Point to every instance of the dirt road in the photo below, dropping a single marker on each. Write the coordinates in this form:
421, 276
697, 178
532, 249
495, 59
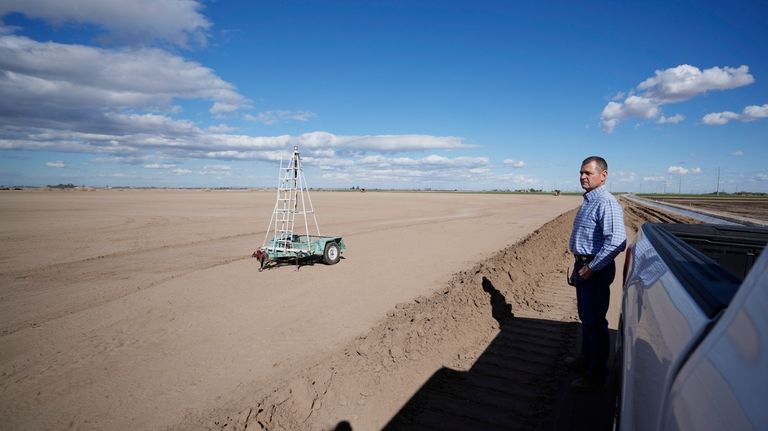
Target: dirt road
140, 309
753, 210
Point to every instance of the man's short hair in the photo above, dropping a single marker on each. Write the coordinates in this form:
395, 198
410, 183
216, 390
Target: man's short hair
599, 161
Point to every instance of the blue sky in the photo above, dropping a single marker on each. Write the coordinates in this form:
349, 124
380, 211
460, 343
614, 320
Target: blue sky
401, 94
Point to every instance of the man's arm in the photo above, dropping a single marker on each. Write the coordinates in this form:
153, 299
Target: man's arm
614, 235
614, 238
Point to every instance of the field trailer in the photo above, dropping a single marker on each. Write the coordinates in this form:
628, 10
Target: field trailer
282, 243
325, 248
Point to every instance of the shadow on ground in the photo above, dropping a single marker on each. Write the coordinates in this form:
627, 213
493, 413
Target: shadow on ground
518, 383
297, 264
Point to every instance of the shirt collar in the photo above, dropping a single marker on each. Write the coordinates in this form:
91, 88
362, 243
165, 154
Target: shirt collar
588, 196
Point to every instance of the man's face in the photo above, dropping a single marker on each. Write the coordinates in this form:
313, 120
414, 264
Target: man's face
591, 176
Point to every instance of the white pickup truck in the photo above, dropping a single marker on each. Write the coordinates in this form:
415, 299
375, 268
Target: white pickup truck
693, 335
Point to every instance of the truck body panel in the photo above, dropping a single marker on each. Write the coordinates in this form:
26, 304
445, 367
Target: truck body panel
724, 383
676, 348
660, 323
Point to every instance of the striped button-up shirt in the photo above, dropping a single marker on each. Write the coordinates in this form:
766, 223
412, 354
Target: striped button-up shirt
598, 229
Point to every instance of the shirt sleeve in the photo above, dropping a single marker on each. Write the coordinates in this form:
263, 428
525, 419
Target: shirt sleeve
614, 234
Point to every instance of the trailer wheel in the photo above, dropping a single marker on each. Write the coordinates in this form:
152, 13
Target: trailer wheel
332, 253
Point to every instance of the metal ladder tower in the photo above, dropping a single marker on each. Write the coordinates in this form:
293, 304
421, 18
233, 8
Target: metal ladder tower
292, 199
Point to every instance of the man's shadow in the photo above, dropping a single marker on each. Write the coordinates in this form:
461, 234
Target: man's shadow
296, 263
516, 383
500, 309
509, 386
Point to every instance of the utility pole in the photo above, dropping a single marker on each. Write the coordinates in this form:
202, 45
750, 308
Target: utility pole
717, 193
680, 185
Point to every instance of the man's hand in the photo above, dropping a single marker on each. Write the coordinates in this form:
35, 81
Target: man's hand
585, 273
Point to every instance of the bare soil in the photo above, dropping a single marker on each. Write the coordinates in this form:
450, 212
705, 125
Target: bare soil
484, 352
141, 310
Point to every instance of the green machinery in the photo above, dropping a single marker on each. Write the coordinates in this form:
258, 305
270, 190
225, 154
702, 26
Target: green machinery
282, 243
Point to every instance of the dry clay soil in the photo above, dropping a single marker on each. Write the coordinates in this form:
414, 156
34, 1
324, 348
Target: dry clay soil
143, 310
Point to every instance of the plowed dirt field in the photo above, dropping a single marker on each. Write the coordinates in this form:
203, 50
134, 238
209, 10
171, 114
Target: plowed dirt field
142, 310
750, 208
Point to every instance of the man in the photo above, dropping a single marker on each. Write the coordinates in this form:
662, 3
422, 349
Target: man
598, 237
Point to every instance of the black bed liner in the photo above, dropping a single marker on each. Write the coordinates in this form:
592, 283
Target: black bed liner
710, 261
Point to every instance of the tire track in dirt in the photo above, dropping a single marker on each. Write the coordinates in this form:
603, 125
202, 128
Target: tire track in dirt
61, 266
636, 214
93, 281
753, 208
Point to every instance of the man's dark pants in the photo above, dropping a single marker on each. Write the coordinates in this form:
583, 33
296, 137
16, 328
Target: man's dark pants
593, 297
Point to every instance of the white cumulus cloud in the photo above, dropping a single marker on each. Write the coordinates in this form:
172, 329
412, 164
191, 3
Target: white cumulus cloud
755, 112
216, 170
624, 177
80, 85
677, 118
432, 163
432, 170
672, 85
379, 143
514, 163
56, 164
272, 117
221, 128
178, 22
685, 81
159, 166
680, 170
750, 113
719, 118
138, 138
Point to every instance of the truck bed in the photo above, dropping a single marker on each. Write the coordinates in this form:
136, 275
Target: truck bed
733, 248
693, 324
710, 261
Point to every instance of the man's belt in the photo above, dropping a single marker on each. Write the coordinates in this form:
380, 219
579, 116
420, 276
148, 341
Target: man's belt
583, 258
